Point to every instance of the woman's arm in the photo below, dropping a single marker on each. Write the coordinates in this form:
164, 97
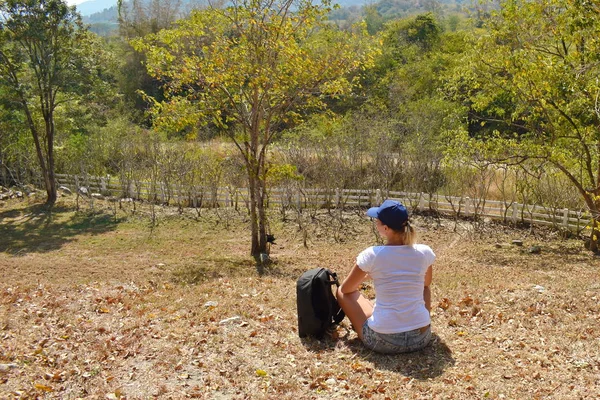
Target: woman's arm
353, 280
426, 289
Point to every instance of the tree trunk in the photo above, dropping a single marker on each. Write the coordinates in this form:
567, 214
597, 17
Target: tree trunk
47, 170
45, 156
50, 178
262, 216
258, 217
51, 189
595, 235
256, 177
255, 248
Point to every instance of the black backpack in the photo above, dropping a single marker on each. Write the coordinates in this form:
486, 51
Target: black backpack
318, 309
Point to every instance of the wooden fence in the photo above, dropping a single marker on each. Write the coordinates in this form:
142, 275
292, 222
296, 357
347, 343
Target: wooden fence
303, 198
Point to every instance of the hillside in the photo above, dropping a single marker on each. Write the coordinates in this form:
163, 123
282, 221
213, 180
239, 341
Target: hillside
102, 15
88, 8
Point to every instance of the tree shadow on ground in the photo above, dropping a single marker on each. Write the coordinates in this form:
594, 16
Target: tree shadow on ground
425, 364
273, 268
203, 270
35, 229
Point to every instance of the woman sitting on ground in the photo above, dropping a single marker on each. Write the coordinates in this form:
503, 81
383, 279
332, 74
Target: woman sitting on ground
399, 320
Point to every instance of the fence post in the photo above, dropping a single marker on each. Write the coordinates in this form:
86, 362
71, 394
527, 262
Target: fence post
467, 206
515, 212
422, 202
103, 186
378, 199
338, 198
566, 218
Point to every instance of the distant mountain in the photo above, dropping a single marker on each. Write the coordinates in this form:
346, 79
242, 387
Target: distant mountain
108, 15
90, 7
102, 15
348, 3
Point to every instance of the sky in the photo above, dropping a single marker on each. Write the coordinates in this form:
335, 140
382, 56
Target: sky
71, 2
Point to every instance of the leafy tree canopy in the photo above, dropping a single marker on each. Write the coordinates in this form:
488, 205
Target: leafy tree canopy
251, 69
536, 69
47, 60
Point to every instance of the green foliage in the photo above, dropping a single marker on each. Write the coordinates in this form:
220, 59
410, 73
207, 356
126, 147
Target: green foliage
281, 173
373, 19
263, 61
250, 69
47, 60
17, 155
536, 71
422, 31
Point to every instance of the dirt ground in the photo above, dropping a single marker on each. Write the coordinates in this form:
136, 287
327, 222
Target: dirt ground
102, 304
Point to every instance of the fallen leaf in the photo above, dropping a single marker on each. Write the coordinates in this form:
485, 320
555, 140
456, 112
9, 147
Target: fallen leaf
467, 301
267, 318
444, 304
44, 388
260, 372
356, 366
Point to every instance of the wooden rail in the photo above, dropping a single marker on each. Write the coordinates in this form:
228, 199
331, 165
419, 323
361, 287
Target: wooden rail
307, 198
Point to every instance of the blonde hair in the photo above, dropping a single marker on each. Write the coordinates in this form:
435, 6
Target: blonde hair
408, 234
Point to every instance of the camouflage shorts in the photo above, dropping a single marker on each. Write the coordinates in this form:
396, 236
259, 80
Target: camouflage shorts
393, 343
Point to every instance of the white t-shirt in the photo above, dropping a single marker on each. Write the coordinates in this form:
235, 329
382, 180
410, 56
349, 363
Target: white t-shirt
398, 274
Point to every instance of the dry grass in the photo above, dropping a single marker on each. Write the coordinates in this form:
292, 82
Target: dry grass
97, 305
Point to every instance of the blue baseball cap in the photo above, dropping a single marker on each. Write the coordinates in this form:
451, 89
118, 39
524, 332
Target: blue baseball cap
391, 213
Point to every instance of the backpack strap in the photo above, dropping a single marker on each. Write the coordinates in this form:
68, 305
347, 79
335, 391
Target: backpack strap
339, 316
333, 281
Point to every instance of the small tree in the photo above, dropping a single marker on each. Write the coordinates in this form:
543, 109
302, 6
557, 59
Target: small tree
250, 69
45, 57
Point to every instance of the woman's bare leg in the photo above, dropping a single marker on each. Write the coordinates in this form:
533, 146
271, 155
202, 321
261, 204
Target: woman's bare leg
356, 307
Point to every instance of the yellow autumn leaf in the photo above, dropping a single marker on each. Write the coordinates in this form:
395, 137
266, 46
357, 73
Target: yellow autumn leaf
44, 388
